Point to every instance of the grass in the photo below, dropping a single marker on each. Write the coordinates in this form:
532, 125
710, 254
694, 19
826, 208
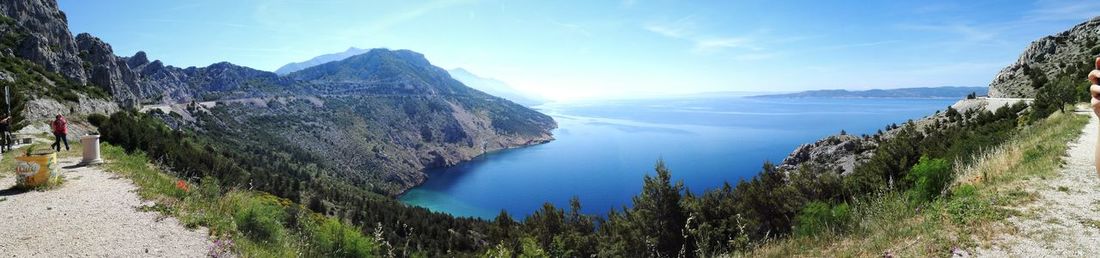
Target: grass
242, 222
7, 164
981, 197
1091, 223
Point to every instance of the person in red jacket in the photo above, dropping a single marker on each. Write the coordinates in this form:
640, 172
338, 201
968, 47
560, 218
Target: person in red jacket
60, 132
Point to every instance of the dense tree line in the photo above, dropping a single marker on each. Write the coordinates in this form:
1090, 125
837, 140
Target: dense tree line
1067, 86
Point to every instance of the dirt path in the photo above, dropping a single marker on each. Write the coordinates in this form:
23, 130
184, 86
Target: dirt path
92, 214
1065, 219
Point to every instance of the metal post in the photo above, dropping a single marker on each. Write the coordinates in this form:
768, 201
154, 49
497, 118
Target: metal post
11, 118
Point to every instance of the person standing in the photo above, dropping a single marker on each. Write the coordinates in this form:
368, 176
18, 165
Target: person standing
60, 132
5, 133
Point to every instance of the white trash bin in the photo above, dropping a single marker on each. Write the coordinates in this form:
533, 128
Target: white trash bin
91, 150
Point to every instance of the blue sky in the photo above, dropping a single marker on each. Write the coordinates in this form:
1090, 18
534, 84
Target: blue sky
595, 49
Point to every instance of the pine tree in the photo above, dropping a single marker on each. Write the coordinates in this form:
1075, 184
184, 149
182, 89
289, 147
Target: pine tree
660, 214
544, 224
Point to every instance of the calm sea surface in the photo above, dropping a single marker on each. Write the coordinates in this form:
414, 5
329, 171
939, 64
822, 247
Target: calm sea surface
603, 149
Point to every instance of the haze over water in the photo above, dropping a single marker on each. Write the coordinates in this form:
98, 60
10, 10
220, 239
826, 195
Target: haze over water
603, 149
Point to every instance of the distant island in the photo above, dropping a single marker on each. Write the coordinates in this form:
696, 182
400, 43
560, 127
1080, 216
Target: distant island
920, 92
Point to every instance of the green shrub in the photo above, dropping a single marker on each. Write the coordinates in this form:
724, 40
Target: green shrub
929, 177
209, 189
97, 119
964, 191
260, 221
70, 96
30, 149
333, 239
531, 248
965, 206
819, 217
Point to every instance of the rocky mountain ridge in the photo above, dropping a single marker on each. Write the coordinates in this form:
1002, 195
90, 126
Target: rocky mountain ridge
488, 85
298, 66
1068, 54
377, 119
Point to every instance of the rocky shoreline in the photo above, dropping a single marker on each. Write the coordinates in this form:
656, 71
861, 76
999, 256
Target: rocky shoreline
842, 153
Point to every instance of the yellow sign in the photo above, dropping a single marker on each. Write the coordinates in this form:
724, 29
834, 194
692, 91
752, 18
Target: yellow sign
36, 170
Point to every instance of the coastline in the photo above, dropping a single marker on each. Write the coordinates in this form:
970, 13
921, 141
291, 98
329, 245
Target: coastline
543, 139
842, 153
459, 188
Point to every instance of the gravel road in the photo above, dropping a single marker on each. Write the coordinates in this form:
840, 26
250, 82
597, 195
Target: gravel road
93, 214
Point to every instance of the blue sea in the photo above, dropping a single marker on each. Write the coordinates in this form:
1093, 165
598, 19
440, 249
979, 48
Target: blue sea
603, 149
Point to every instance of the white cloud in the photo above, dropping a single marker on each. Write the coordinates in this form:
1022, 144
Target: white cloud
858, 45
756, 56
713, 44
965, 32
395, 18
668, 31
576, 28
686, 29
207, 24
1060, 10
682, 28
956, 68
970, 35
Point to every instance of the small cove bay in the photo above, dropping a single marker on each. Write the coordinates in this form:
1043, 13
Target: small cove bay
602, 150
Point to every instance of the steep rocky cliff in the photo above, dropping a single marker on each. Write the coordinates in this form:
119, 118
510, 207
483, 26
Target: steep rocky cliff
105, 69
43, 36
1066, 54
36, 31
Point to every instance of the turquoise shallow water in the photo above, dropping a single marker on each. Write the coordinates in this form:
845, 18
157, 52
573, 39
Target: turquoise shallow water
603, 149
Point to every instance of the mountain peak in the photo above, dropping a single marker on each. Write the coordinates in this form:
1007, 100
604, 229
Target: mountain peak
138, 59
495, 87
298, 66
459, 70
375, 64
